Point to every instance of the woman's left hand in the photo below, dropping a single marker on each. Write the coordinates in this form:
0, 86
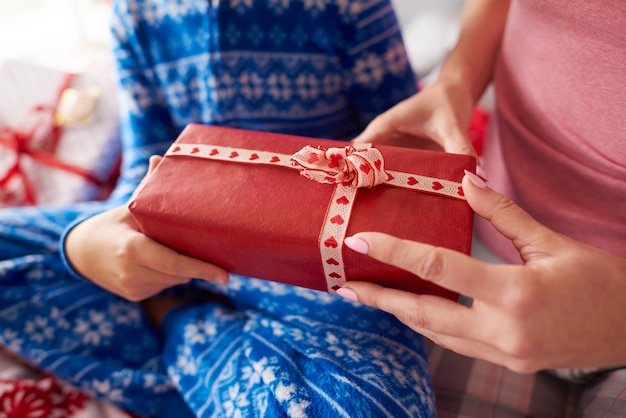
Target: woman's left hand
564, 307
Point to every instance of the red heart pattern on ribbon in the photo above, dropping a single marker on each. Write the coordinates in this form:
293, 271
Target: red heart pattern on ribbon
348, 169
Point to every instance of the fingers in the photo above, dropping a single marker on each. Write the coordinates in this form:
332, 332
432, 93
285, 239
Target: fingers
380, 132
420, 312
152, 165
140, 283
162, 259
508, 218
467, 331
446, 268
397, 126
375, 132
448, 324
153, 162
469, 348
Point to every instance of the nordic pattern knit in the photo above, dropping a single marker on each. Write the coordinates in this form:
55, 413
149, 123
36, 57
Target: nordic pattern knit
320, 68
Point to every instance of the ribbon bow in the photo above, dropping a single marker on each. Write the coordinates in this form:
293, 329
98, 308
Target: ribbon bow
40, 126
347, 166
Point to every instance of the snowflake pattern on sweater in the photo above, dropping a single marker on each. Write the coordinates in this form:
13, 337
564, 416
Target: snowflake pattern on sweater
320, 68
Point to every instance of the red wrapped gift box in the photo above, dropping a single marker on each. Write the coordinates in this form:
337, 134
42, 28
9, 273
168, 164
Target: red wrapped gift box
236, 198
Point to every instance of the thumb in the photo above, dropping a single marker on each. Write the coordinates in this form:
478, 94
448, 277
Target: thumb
372, 133
152, 165
458, 142
506, 217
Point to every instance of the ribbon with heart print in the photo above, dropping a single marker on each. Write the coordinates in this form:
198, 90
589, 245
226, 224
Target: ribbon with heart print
348, 168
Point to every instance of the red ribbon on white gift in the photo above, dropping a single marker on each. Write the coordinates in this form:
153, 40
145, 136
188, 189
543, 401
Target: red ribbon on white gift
348, 168
40, 125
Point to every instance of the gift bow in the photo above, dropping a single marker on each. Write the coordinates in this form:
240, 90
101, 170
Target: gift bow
40, 124
347, 166
19, 144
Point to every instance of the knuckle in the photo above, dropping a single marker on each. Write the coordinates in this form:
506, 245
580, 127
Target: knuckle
412, 316
431, 265
417, 318
503, 203
128, 248
516, 302
520, 300
375, 299
502, 208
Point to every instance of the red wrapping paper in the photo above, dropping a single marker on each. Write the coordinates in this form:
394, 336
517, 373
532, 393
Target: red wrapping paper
264, 221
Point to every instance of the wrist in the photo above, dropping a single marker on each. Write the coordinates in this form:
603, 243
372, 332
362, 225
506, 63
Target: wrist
470, 64
464, 77
63, 247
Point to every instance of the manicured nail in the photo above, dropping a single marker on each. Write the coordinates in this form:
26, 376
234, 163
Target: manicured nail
357, 245
346, 293
476, 181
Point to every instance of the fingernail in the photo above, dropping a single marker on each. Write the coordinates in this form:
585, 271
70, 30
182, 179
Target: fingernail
346, 293
476, 181
357, 245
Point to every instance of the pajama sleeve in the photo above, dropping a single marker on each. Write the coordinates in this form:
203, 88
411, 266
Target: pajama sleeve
146, 127
332, 72
378, 74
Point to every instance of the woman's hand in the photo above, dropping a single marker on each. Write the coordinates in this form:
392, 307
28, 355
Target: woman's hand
110, 250
564, 307
435, 118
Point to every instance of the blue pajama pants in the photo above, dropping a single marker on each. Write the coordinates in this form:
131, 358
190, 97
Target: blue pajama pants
270, 350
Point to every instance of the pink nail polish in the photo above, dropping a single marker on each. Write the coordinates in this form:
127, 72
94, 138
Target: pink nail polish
475, 180
357, 245
346, 293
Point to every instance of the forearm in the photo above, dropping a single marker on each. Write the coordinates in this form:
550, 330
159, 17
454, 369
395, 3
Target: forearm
470, 64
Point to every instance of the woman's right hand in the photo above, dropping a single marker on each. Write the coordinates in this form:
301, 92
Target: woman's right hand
562, 308
435, 118
110, 250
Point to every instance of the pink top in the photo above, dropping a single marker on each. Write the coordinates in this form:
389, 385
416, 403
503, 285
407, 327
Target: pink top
557, 145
